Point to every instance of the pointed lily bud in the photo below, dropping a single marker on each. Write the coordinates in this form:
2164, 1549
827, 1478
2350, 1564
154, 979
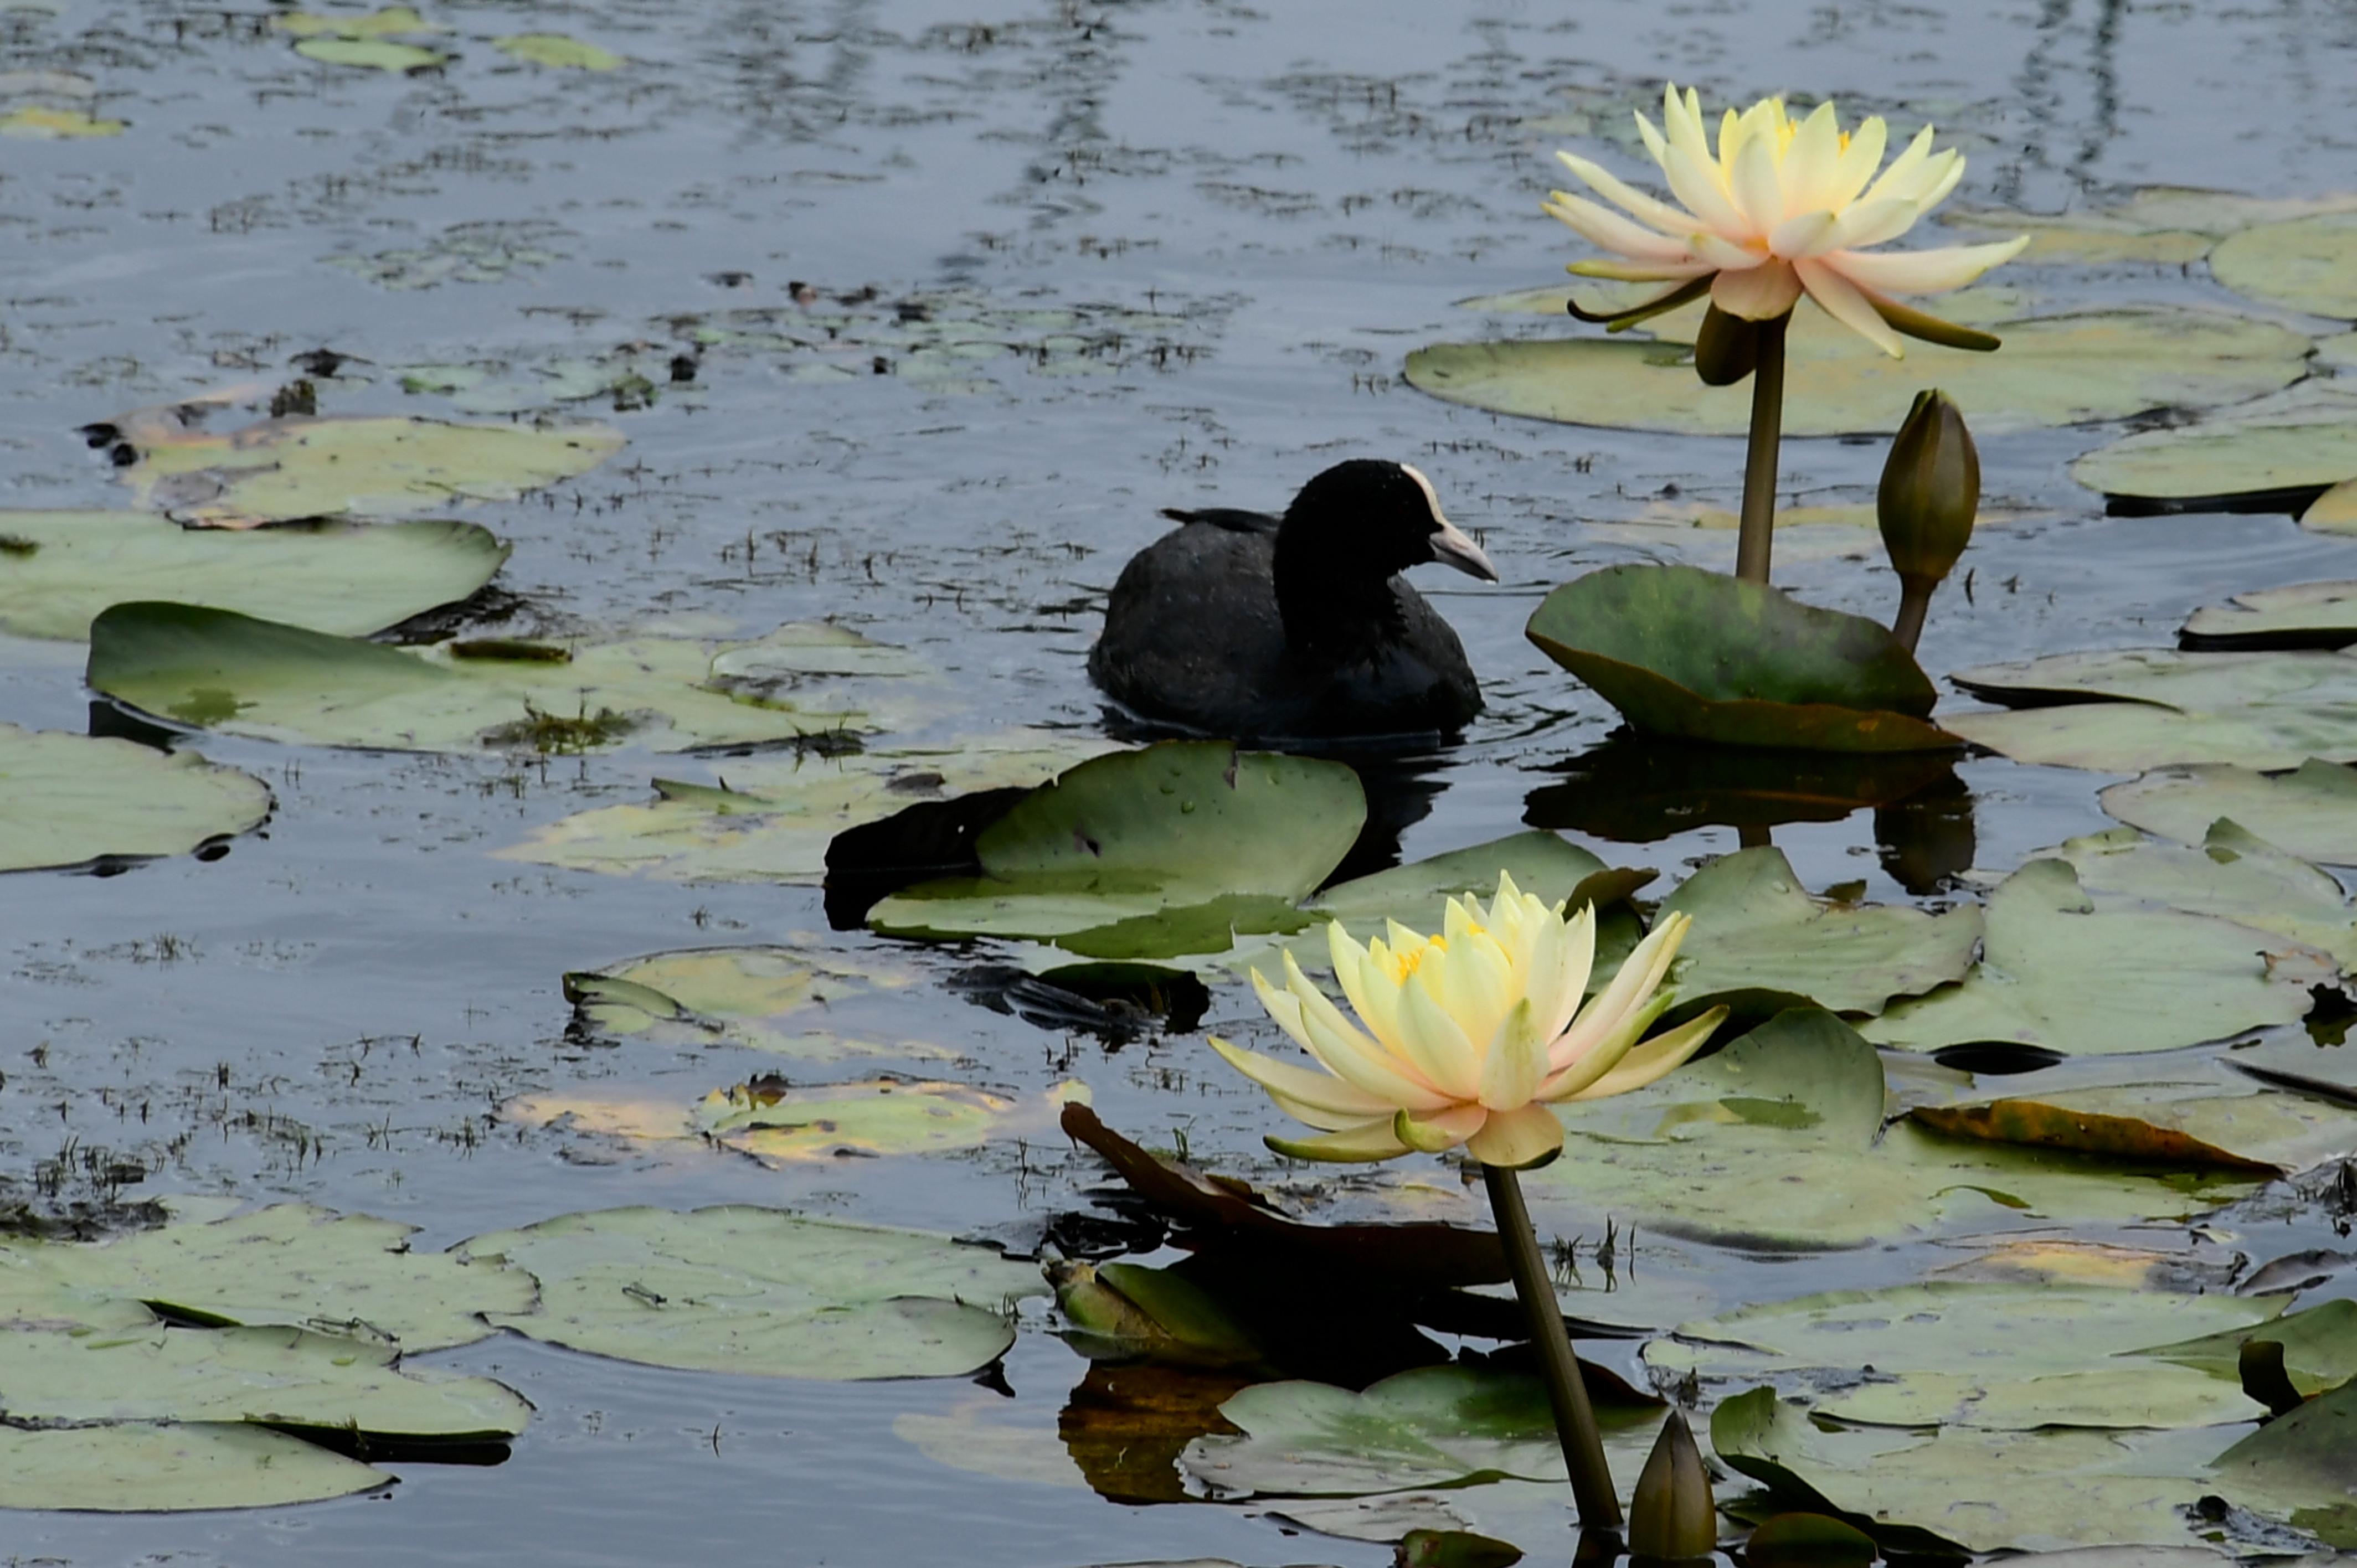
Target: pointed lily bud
1727, 350
1931, 492
1672, 1519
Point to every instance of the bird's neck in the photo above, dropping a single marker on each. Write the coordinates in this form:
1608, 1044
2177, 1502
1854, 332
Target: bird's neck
1336, 607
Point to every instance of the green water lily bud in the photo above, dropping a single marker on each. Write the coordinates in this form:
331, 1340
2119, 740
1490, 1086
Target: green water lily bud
1931, 490
1727, 350
1672, 1517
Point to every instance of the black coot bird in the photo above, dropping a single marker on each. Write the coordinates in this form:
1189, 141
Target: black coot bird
1256, 628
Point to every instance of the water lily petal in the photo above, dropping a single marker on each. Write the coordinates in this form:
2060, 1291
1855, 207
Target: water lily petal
1649, 211
1475, 985
1578, 963
1640, 975
1871, 223
1316, 1090
1723, 254
1603, 1053
1810, 163
1655, 142
1843, 302
1905, 169
1367, 982
1438, 1043
1339, 1049
1518, 1139
1439, 1130
1603, 226
1803, 236
1758, 190
1656, 1058
1925, 272
1370, 1141
1758, 294
1859, 161
1515, 1061
1696, 184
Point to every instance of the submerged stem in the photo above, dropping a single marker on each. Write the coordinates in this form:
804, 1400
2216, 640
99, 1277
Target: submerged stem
1752, 545
1574, 1422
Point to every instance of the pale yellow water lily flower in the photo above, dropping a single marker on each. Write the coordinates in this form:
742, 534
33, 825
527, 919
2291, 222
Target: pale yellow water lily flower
1467, 1037
1784, 207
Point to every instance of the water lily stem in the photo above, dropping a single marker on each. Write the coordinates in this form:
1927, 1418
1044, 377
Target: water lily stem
1914, 599
1753, 544
1575, 1420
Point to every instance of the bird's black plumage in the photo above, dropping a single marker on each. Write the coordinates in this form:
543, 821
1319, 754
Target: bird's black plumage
1260, 628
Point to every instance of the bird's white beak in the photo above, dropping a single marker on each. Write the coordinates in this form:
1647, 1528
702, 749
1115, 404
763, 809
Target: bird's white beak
1451, 547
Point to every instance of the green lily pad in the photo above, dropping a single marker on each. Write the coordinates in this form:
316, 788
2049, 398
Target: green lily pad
387, 22
287, 1378
1147, 853
2300, 1467
762, 998
2002, 1357
150, 1467
771, 821
374, 54
1734, 1149
777, 1123
2058, 971
2056, 370
2303, 264
2310, 812
286, 469
1965, 1488
2165, 225
556, 49
37, 123
2133, 709
328, 576
2306, 615
1682, 651
2235, 875
289, 1264
1434, 1426
76, 799
1760, 942
219, 670
2285, 448
2320, 1347
760, 1291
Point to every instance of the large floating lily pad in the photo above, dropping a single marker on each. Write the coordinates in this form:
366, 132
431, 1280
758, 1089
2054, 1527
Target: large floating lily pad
767, 998
277, 1377
285, 469
2133, 709
755, 1290
2169, 225
2004, 1357
74, 799
2058, 971
1735, 1149
1682, 651
219, 670
147, 1468
2235, 875
2304, 263
1759, 941
770, 822
2286, 449
59, 569
2056, 370
1982, 1491
1434, 1426
2298, 1467
2310, 812
292, 1264
2306, 615
1149, 853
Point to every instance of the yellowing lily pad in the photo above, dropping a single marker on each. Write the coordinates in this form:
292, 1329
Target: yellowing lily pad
823, 1122
34, 122
2057, 370
1760, 941
219, 670
73, 798
757, 1292
2310, 812
764, 998
157, 1467
2303, 264
556, 49
59, 569
2060, 972
284, 469
2133, 709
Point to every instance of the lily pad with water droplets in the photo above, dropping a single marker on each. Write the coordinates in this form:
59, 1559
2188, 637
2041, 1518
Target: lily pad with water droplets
2062, 972
1760, 942
74, 800
2132, 709
59, 569
285, 469
217, 670
2055, 370
157, 1467
758, 1292
2310, 812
